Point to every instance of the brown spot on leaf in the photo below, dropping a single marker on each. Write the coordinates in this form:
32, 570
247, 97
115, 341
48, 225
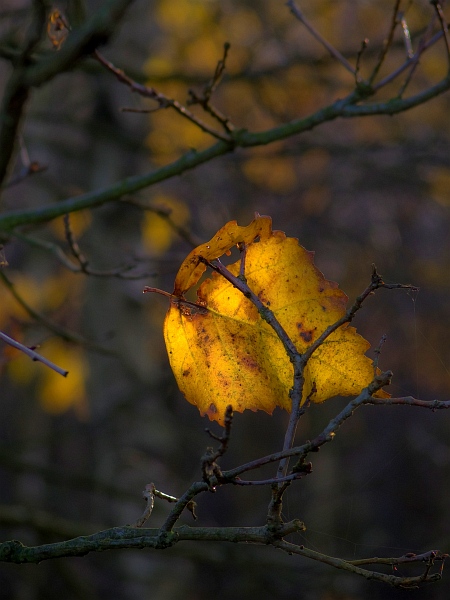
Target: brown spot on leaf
212, 409
306, 335
250, 363
186, 373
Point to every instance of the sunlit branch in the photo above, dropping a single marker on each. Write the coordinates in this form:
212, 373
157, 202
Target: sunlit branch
32, 354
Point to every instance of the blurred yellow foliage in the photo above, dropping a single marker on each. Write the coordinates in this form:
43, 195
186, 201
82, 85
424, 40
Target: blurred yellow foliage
58, 394
55, 393
79, 222
157, 234
184, 18
202, 54
243, 26
172, 135
276, 173
439, 182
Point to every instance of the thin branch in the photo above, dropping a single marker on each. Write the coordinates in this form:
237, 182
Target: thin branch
210, 469
62, 332
377, 352
204, 99
162, 100
276, 480
375, 284
364, 46
387, 43
444, 26
412, 63
327, 435
32, 354
432, 405
313, 31
393, 580
410, 557
121, 272
29, 169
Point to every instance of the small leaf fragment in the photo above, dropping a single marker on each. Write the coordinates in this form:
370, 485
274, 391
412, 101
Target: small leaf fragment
226, 238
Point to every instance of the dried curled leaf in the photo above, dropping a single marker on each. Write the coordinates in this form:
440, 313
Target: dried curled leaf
226, 238
222, 352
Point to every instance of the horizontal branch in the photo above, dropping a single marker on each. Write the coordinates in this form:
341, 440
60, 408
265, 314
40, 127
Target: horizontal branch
432, 405
132, 537
339, 563
347, 107
126, 537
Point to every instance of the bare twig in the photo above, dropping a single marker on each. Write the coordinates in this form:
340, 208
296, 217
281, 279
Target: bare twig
440, 14
32, 354
393, 580
204, 99
364, 46
313, 31
387, 43
149, 497
432, 405
60, 331
327, 435
162, 100
121, 272
276, 480
73, 244
30, 169
210, 469
377, 353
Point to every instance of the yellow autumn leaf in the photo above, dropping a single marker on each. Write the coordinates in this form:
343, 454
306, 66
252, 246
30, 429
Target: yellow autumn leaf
222, 352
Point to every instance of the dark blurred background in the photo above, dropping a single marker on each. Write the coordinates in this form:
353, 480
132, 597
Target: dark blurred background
76, 454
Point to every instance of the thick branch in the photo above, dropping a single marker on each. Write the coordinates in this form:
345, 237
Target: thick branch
130, 537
